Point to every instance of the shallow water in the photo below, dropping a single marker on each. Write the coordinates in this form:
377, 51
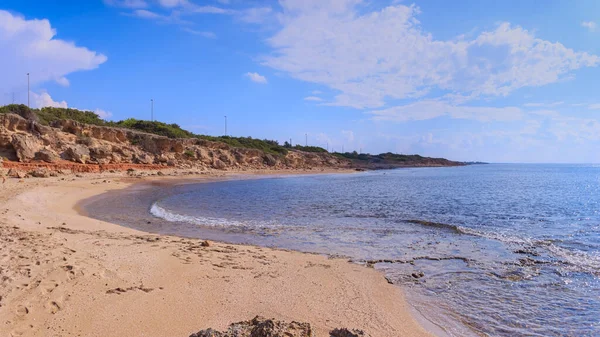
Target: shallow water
505, 250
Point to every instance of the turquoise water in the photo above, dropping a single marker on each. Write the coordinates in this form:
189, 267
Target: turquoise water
504, 250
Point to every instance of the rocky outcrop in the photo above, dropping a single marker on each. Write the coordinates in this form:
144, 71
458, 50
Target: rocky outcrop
78, 153
47, 155
67, 140
347, 333
261, 327
25, 146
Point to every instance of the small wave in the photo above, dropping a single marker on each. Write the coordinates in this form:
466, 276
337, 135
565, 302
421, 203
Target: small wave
162, 213
578, 261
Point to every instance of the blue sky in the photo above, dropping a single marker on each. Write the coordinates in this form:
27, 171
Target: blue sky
498, 81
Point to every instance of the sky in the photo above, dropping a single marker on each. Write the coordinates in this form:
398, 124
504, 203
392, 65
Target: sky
495, 81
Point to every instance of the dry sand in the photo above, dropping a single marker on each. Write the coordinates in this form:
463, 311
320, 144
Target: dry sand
63, 274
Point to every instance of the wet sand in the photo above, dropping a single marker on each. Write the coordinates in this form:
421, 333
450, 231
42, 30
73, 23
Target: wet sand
64, 274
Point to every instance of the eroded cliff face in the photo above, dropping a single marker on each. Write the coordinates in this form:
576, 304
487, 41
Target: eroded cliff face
68, 141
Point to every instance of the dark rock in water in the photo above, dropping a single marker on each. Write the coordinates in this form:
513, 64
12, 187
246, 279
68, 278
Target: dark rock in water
261, 327
418, 274
347, 333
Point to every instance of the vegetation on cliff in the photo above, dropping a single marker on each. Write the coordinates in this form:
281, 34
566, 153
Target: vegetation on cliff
48, 116
390, 160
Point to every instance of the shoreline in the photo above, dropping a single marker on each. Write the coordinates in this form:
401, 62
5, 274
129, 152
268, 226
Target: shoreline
129, 276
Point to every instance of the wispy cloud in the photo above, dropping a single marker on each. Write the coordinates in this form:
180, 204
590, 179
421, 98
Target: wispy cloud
127, 3
146, 14
590, 25
595, 106
256, 77
384, 55
206, 34
313, 98
430, 109
549, 105
256, 15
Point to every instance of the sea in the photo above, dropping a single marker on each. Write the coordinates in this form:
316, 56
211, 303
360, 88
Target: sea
480, 250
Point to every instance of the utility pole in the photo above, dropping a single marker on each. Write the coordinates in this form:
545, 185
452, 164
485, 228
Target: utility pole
152, 109
290, 142
225, 125
28, 91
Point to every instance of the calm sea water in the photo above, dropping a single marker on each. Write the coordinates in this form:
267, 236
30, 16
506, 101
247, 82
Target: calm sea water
504, 250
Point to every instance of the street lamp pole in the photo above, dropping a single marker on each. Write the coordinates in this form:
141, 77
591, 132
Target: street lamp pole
28, 91
152, 109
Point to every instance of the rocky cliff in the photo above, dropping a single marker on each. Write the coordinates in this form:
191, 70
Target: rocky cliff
66, 142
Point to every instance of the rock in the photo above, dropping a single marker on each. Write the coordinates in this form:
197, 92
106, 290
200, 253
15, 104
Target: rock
40, 173
159, 173
418, 274
102, 154
260, 327
219, 165
270, 160
78, 153
205, 243
16, 174
25, 146
347, 333
143, 158
47, 155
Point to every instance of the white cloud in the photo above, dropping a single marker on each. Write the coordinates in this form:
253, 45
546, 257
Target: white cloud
29, 46
313, 98
146, 14
590, 25
429, 109
255, 77
349, 135
44, 99
103, 114
172, 3
208, 10
206, 34
595, 106
316, 92
127, 3
370, 58
256, 15
552, 104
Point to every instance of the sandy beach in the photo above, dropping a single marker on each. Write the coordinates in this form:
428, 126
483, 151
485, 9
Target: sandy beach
63, 274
